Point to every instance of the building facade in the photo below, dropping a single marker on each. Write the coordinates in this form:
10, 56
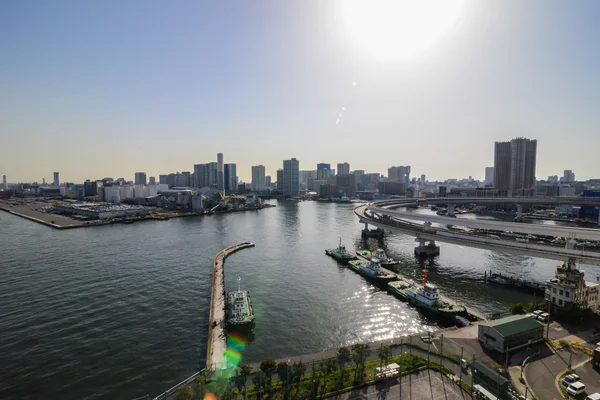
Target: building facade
343, 168
231, 180
400, 174
56, 179
510, 333
514, 165
279, 179
568, 176
569, 286
489, 176
258, 178
291, 182
220, 172
140, 178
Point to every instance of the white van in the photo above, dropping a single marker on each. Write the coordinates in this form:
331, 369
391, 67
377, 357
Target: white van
593, 396
576, 388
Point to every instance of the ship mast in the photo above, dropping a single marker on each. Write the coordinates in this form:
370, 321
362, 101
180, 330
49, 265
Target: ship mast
239, 283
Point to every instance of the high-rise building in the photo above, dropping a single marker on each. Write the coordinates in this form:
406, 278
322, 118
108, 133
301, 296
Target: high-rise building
343, 168
162, 179
4, 185
268, 181
152, 180
183, 179
568, 176
220, 172
140, 178
489, 175
323, 170
56, 180
514, 164
231, 180
400, 174
279, 179
258, 178
205, 175
422, 178
291, 183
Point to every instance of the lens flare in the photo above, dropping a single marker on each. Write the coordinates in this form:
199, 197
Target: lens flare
210, 396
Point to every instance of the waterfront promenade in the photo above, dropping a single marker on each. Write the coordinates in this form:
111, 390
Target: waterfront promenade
217, 321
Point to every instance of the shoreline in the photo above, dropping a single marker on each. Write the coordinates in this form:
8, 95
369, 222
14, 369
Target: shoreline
72, 224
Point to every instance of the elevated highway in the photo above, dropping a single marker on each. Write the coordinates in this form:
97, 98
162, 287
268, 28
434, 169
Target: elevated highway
541, 201
383, 215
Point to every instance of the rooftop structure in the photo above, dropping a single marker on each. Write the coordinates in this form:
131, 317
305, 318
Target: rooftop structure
101, 210
569, 286
510, 333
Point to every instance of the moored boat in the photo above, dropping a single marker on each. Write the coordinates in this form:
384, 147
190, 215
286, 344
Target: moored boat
239, 307
372, 270
340, 253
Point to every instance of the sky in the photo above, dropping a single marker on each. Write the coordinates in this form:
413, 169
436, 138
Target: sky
97, 89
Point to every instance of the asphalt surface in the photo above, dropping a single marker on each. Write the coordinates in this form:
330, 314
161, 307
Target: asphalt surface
427, 385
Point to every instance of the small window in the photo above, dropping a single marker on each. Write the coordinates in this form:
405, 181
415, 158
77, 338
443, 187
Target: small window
560, 292
560, 302
553, 290
567, 294
554, 300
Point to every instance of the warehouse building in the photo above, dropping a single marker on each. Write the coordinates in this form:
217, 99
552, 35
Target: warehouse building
510, 333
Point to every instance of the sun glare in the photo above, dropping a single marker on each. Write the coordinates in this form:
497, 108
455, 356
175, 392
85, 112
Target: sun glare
399, 29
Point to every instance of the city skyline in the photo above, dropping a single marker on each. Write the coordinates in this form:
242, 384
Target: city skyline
159, 88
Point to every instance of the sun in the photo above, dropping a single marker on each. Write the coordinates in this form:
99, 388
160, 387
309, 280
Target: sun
399, 29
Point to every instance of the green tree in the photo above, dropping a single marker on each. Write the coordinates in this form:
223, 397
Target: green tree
517, 309
384, 353
260, 383
268, 367
343, 357
298, 371
360, 353
283, 370
245, 371
185, 393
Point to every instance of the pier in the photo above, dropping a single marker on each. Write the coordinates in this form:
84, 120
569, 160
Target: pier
216, 344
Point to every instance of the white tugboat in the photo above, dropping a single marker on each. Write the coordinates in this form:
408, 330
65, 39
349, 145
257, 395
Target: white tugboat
239, 306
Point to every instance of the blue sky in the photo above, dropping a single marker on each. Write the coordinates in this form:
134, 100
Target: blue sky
107, 88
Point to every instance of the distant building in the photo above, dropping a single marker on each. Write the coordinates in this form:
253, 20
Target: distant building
152, 180
268, 181
323, 170
231, 181
291, 182
162, 179
569, 286
183, 179
343, 168
510, 333
279, 179
140, 178
56, 180
568, 176
4, 184
205, 175
346, 184
258, 178
489, 176
422, 178
90, 188
399, 174
220, 172
514, 164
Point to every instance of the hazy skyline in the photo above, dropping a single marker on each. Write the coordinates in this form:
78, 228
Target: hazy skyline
94, 89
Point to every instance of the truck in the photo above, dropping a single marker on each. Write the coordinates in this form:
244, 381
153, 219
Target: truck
596, 358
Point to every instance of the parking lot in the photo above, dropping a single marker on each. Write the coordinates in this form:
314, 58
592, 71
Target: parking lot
590, 377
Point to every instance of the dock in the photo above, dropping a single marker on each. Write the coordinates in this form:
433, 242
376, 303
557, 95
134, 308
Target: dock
216, 344
471, 312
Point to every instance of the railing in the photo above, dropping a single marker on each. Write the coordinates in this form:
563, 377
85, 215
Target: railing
175, 388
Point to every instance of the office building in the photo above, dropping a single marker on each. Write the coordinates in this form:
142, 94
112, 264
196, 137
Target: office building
268, 181
162, 179
4, 184
258, 178
279, 179
346, 184
422, 178
56, 180
152, 180
183, 179
231, 180
514, 165
291, 182
489, 176
220, 172
140, 178
205, 175
343, 168
323, 170
400, 174
568, 176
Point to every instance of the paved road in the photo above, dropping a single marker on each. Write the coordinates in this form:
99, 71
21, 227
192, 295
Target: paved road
426, 385
590, 377
541, 374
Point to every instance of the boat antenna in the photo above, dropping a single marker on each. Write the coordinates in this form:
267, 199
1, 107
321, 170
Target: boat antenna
424, 277
340, 241
239, 283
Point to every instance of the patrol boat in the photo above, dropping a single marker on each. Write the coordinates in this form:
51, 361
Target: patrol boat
239, 306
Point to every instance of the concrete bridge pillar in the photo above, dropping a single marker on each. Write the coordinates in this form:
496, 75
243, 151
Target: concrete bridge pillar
427, 226
599, 217
426, 250
451, 212
519, 211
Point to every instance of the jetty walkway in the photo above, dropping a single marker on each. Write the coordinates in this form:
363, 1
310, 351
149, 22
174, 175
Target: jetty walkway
216, 324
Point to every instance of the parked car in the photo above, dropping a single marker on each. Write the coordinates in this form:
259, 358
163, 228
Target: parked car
567, 380
593, 396
576, 388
